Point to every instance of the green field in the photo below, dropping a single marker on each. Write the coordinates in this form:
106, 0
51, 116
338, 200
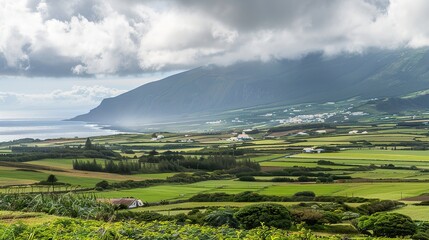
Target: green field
415, 212
373, 155
394, 191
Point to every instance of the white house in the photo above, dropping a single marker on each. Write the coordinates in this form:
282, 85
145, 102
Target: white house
232, 139
321, 131
244, 137
128, 202
313, 150
160, 136
302, 134
354, 132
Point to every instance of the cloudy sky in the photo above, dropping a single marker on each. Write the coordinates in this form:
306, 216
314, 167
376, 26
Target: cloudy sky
59, 58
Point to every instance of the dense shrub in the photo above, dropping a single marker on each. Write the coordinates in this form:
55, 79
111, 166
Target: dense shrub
95, 230
272, 215
222, 218
282, 179
70, 205
379, 206
387, 225
102, 185
307, 215
141, 216
305, 194
247, 179
256, 197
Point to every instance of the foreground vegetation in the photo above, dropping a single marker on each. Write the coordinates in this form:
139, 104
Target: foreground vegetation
195, 183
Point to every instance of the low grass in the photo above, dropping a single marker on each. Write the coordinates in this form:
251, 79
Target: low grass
29, 218
415, 212
393, 191
263, 158
391, 174
156, 193
191, 205
394, 155
13, 176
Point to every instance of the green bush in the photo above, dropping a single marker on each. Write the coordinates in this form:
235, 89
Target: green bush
247, 178
267, 214
387, 225
102, 185
305, 194
379, 206
220, 218
307, 215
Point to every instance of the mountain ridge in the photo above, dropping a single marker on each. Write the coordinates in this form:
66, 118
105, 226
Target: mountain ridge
313, 78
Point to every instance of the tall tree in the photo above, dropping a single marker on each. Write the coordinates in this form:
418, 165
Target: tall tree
88, 144
52, 179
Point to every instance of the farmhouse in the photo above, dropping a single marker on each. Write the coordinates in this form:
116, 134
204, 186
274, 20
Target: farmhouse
159, 137
128, 202
244, 137
313, 150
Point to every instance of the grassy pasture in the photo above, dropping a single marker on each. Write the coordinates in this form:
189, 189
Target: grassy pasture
16, 176
394, 137
392, 155
263, 158
391, 174
393, 191
415, 212
156, 193
30, 218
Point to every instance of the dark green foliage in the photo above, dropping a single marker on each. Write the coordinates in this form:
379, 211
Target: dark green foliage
219, 218
282, 179
387, 225
51, 179
422, 231
70, 205
88, 144
307, 215
268, 214
423, 203
24, 154
305, 194
421, 236
379, 206
247, 178
111, 166
177, 178
141, 216
256, 197
174, 162
331, 217
102, 185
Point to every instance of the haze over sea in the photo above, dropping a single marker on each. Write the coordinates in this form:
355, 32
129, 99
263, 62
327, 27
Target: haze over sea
46, 129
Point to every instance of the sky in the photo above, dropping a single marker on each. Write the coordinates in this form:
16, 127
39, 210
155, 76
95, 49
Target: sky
60, 58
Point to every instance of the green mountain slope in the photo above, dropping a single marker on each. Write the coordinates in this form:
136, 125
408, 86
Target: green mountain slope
314, 78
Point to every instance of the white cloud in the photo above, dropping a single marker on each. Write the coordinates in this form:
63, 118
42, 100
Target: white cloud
74, 37
76, 99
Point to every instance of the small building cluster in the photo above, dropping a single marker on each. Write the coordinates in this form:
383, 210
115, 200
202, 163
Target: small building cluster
313, 150
127, 202
357, 132
240, 137
158, 137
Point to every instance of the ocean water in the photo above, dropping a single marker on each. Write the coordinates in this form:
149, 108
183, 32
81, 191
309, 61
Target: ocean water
46, 129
